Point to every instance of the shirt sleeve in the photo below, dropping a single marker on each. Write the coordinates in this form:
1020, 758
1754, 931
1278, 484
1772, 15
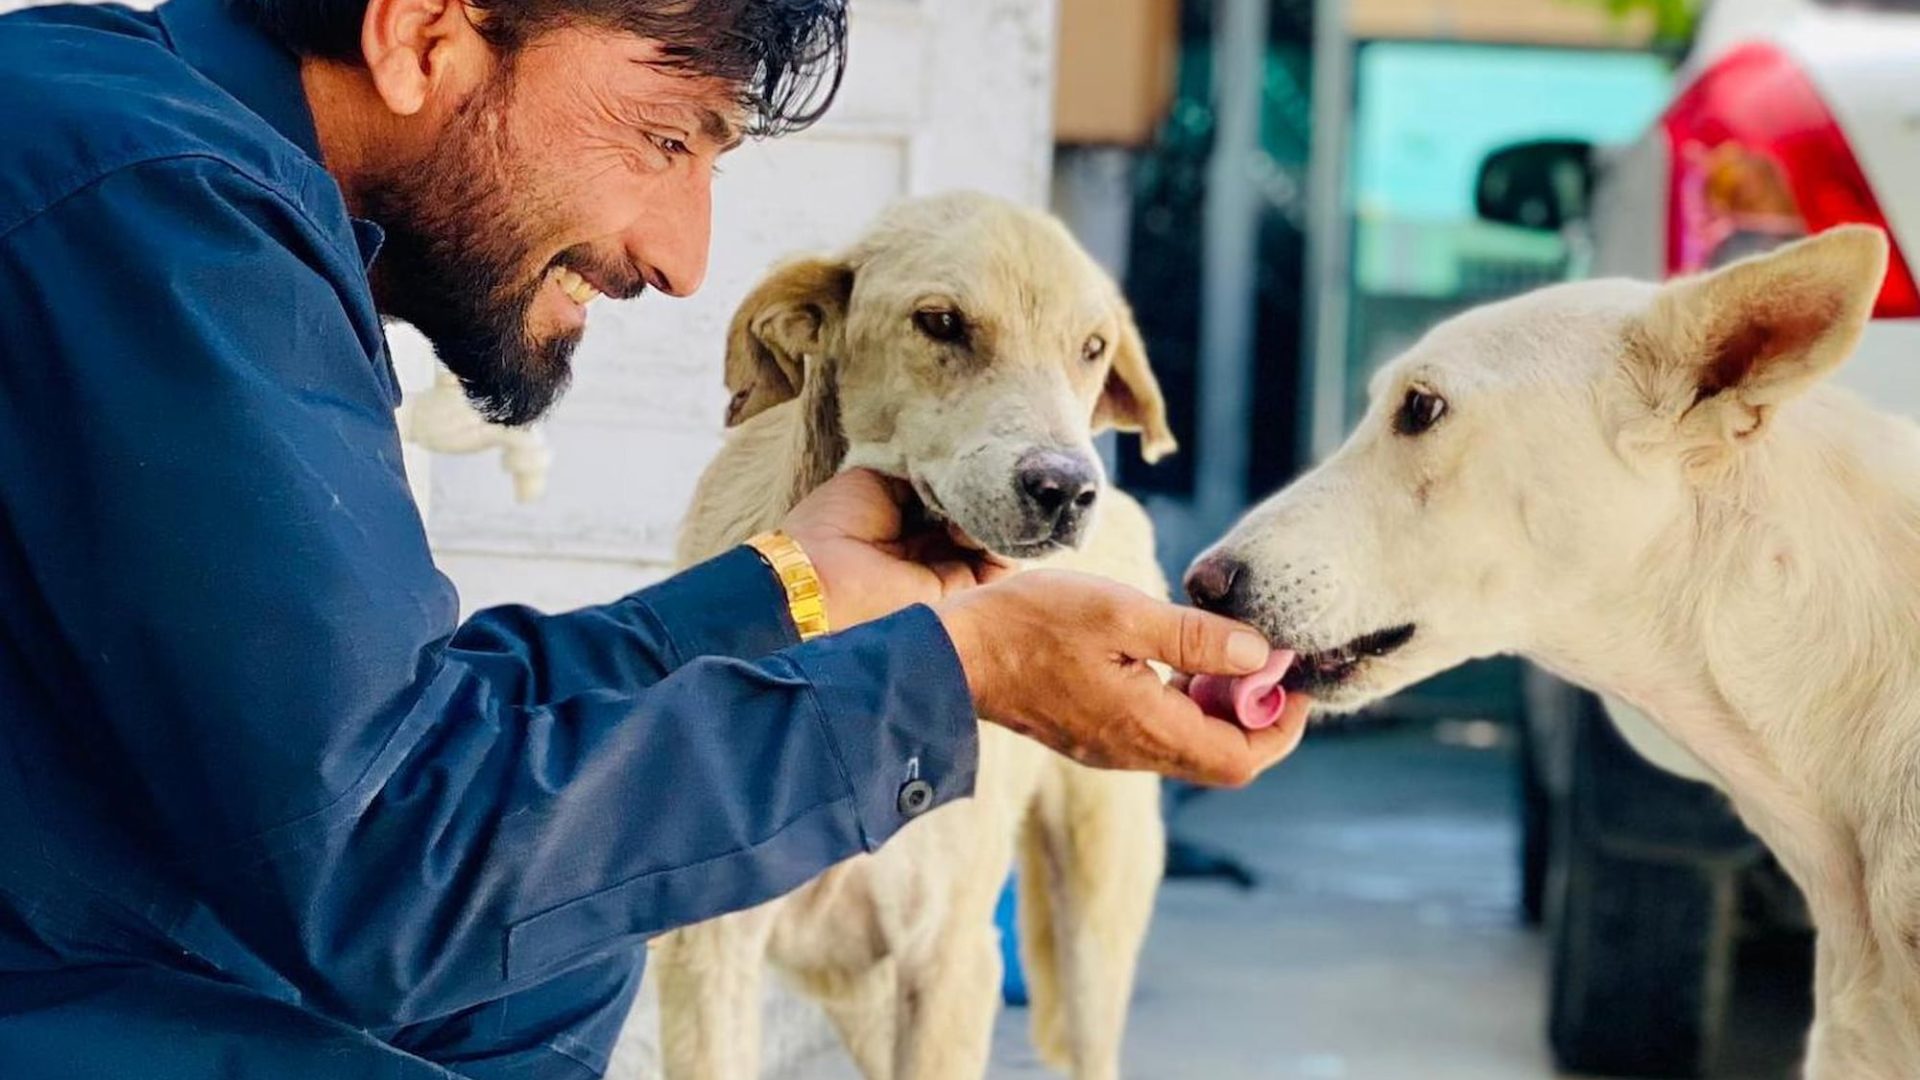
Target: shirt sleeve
401, 815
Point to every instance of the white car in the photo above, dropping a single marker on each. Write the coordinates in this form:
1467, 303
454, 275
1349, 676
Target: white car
1789, 117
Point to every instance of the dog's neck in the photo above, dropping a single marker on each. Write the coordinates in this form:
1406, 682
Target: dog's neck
1782, 651
819, 437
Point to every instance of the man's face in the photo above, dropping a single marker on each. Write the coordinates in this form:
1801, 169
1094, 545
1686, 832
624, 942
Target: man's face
577, 169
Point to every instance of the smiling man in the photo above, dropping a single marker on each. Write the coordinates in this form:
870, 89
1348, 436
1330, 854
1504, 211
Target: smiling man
267, 807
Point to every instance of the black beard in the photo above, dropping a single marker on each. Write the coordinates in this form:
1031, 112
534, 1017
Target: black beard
454, 261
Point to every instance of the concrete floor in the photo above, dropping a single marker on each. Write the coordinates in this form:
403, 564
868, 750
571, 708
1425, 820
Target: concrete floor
1381, 941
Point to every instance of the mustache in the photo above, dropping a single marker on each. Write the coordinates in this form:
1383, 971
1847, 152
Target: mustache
615, 280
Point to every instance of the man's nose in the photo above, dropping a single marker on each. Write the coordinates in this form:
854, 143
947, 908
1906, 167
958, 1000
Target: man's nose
672, 242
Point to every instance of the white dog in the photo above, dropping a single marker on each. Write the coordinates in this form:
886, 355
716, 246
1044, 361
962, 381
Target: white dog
1645, 489
972, 347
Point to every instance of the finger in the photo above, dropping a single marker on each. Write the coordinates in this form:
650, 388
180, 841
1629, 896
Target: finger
989, 570
872, 504
1271, 744
961, 540
1197, 642
1199, 748
954, 576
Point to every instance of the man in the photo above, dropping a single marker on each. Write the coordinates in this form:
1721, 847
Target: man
266, 808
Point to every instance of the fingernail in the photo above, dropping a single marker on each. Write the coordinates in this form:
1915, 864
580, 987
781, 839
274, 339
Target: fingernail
1247, 650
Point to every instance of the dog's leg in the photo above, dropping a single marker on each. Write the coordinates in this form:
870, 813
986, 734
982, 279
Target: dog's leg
949, 990
946, 1006
860, 1004
1093, 860
709, 978
1859, 1028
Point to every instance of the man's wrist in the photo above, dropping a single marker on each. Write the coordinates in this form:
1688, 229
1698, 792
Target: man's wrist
799, 581
962, 627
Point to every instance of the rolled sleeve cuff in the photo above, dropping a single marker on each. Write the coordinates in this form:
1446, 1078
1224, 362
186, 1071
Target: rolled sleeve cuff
895, 704
730, 605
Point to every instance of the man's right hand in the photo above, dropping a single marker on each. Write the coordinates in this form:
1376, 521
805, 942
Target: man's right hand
1063, 658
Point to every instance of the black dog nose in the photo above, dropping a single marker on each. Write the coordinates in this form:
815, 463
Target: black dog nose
1214, 581
1060, 486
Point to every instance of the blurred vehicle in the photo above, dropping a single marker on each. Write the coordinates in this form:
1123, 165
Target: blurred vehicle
1790, 116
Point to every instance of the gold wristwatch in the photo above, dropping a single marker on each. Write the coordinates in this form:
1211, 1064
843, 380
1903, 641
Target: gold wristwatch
806, 600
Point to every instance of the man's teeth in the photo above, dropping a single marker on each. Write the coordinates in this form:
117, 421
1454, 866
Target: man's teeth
575, 286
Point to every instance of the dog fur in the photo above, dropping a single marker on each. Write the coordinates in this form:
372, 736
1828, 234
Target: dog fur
1647, 490
830, 370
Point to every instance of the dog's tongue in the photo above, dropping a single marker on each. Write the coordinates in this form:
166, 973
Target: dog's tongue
1253, 701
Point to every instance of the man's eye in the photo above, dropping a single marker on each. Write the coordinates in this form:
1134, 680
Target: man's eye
1419, 411
672, 146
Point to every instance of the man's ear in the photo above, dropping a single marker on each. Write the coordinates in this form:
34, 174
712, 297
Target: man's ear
417, 50
1718, 353
799, 310
1131, 399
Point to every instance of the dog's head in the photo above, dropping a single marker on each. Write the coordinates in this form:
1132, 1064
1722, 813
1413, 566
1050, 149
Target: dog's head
965, 344
1520, 464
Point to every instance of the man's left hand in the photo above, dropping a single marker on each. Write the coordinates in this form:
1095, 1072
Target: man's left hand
870, 561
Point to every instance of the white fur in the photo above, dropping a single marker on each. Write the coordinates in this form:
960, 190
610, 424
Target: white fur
1644, 489
900, 947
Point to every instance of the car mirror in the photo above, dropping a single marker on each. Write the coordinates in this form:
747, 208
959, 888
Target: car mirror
1542, 184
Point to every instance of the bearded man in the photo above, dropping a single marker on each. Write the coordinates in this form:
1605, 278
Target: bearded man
268, 807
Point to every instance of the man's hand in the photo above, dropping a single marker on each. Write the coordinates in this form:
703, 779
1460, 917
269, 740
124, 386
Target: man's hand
870, 565
1062, 658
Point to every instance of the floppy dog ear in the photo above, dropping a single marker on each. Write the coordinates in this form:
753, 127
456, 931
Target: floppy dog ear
798, 311
1131, 399
1719, 352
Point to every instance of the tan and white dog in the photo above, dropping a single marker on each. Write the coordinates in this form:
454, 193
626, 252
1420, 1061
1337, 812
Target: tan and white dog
972, 347
1648, 490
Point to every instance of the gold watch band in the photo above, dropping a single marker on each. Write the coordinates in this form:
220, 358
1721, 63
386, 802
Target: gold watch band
806, 600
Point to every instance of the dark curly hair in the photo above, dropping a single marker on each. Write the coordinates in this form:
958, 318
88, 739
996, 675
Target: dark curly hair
786, 56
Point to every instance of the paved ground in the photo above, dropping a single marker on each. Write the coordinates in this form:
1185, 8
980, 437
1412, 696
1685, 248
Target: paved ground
1381, 942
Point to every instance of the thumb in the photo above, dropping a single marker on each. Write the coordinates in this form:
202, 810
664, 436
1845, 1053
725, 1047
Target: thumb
1200, 643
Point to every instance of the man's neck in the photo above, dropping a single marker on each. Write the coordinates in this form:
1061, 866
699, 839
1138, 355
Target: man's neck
359, 136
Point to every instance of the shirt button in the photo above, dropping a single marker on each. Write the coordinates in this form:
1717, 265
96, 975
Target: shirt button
915, 797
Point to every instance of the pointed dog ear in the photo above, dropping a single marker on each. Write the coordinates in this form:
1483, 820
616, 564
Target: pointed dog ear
1718, 353
799, 310
1131, 399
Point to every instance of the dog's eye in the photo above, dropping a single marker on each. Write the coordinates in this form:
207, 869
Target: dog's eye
1419, 411
1094, 349
941, 325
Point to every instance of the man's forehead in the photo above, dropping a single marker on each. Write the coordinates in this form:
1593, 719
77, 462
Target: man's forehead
668, 92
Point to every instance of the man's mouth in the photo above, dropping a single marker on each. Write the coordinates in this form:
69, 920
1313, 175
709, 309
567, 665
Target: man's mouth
577, 289
1318, 671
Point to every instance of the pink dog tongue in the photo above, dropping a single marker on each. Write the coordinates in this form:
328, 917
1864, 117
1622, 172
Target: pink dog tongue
1253, 701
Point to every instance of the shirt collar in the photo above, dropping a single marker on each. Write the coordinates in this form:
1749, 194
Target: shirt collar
241, 59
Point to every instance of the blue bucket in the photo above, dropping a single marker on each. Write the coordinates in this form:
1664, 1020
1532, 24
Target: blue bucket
1013, 983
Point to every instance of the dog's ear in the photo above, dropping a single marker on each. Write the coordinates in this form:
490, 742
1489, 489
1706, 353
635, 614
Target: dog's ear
798, 311
1131, 399
1718, 353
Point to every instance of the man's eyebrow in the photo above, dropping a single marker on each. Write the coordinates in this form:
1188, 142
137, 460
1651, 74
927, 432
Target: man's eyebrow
721, 130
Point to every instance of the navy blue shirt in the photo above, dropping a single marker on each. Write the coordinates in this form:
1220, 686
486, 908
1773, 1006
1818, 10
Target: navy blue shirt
267, 808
